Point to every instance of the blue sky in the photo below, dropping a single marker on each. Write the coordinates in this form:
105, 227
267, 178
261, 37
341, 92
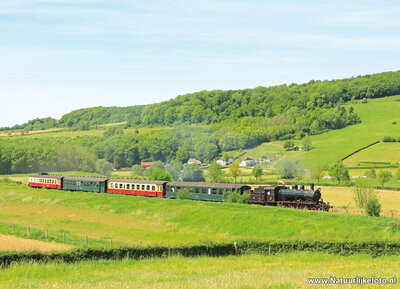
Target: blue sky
59, 55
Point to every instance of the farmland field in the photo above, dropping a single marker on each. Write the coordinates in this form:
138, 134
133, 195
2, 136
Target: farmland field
12, 243
251, 271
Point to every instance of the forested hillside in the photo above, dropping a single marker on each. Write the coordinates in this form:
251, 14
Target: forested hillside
201, 125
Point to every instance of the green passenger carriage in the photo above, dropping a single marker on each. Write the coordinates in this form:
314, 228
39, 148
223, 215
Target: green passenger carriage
97, 185
204, 191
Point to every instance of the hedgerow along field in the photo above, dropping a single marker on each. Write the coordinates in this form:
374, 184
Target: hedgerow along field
133, 220
252, 271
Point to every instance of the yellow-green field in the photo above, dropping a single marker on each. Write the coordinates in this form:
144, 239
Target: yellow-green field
253, 271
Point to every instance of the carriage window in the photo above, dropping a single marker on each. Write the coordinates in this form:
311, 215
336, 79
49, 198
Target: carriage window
214, 191
153, 188
128, 186
204, 191
120, 186
111, 185
178, 188
143, 187
220, 191
148, 187
197, 191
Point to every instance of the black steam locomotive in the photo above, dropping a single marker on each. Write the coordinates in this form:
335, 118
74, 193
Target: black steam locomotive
295, 197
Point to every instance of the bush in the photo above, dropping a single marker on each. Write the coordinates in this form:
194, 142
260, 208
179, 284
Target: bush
184, 194
236, 197
373, 207
389, 139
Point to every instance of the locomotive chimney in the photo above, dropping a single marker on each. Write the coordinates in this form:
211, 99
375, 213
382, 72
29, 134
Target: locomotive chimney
302, 187
294, 187
312, 187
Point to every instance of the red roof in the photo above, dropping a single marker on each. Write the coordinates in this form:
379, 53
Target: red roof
147, 163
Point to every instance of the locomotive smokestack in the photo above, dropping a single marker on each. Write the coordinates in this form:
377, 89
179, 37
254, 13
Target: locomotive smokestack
302, 187
312, 187
294, 187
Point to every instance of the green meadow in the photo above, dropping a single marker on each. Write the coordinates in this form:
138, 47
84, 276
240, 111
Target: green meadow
377, 118
252, 271
130, 220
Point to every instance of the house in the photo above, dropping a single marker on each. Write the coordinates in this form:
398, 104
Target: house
221, 162
248, 162
327, 177
194, 161
298, 148
146, 165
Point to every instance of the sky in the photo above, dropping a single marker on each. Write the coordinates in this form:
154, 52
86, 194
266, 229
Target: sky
59, 55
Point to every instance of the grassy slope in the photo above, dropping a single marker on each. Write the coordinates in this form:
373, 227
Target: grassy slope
376, 116
128, 219
254, 271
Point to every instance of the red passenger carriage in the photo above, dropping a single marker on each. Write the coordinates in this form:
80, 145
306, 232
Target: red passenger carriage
45, 181
136, 187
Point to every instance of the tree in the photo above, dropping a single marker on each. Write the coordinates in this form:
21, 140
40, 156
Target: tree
316, 173
257, 172
371, 174
115, 130
291, 169
103, 167
234, 170
160, 175
288, 145
384, 177
363, 191
373, 207
192, 173
215, 173
137, 171
339, 172
182, 154
307, 143
174, 168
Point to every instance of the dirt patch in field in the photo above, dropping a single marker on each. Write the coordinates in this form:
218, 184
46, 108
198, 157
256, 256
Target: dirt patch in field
13, 243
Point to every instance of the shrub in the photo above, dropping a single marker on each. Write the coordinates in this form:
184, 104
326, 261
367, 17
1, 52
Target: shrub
235, 197
363, 191
389, 139
184, 194
373, 207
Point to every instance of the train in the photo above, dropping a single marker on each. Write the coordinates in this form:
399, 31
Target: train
276, 195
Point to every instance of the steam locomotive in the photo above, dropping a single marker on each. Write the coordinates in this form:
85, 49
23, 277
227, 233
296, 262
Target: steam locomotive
295, 198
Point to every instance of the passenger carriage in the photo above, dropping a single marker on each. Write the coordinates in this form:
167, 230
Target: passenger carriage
146, 188
204, 191
45, 181
87, 184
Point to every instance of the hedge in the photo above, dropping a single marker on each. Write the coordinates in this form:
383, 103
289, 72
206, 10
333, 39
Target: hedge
374, 248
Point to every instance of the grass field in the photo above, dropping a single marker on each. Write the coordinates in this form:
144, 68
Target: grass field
252, 271
377, 117
127, 220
